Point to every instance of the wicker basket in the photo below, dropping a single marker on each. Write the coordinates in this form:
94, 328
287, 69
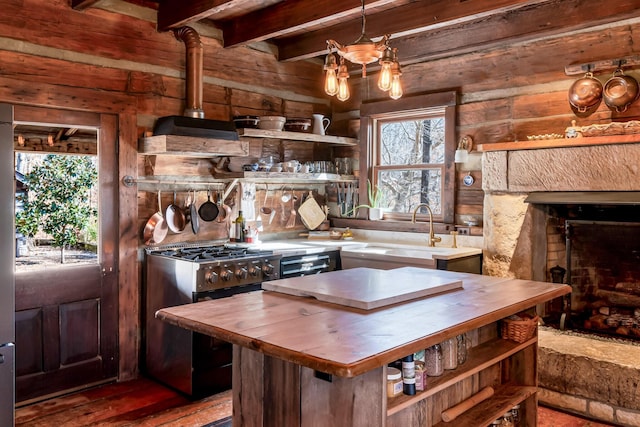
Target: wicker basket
519, 330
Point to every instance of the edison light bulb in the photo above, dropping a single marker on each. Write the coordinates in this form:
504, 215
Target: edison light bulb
384, 81
331, 83
343, 90
396, 88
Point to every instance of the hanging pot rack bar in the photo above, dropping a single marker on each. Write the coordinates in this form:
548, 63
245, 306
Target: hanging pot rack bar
603, 65
130, 181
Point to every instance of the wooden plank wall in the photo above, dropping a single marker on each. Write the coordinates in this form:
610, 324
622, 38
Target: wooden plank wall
93, 60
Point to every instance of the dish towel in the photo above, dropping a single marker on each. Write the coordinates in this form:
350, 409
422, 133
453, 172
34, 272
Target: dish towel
248, 200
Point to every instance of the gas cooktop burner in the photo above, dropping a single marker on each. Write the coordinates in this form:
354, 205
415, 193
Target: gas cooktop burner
211, 253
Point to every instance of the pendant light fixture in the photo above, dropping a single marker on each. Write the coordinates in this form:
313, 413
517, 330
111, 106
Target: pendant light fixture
363, 51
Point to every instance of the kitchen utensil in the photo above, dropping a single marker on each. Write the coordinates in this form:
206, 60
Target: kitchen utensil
311, 214
292, 214
585, 93
224, 211
620, 91
155, 230
208, 210
193, 214
285, 197
174, 215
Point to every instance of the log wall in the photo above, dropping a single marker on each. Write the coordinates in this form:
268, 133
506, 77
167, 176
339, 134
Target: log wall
97, 61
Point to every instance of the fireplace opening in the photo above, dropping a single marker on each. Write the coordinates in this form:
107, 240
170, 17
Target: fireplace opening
595, 248
603, 261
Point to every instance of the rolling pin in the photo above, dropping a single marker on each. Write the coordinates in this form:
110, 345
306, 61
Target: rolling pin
453, 412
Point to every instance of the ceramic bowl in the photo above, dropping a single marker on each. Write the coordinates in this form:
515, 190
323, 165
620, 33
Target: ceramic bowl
297, 125
271, 122
246, 121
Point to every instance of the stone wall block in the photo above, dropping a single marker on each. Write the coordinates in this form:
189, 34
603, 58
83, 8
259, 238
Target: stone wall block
494, 171
575, 169
606, 382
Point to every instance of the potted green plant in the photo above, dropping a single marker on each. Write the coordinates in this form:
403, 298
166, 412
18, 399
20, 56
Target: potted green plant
376, 201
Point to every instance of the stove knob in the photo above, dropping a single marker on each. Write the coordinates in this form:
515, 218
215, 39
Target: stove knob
241, 273
254, 270
226, 275
267, 269
211, 277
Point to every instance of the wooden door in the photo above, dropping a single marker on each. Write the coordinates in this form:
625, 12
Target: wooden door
67, 315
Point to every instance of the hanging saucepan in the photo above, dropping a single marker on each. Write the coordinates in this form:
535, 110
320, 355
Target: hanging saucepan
224, 211
620, 91
175, 217
208, 210
193, 215
585, 93
155, 230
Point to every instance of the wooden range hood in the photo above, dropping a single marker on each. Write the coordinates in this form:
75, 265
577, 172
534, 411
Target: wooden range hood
192, 135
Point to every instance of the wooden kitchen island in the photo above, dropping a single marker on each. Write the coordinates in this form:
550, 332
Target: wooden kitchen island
302, 362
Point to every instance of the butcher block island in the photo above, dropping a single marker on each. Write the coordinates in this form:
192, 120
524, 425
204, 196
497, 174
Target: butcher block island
300, 361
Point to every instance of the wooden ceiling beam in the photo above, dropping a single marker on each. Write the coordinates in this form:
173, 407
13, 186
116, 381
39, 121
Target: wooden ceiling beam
82, 4
178, 13
289, 17
544, 20
401, 21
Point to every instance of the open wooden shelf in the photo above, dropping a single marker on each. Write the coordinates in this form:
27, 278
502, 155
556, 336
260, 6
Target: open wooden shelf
297, 136
479, 358
191, 146
505, 398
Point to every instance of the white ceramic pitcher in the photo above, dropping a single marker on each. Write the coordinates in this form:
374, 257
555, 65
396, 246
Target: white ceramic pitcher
320, 124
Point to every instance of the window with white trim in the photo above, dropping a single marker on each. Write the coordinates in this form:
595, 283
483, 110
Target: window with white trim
410, 156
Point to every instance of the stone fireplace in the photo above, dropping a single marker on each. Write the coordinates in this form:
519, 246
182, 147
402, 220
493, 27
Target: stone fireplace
515, 237
534, 196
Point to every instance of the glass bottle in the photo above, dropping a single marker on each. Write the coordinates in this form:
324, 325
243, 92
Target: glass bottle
433, 361
239, 227
462, 348
450, 353
515, 412
507, 420
408, 375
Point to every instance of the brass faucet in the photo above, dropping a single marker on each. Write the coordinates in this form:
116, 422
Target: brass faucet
433, 239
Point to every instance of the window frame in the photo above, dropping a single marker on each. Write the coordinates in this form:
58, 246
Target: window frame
444, 104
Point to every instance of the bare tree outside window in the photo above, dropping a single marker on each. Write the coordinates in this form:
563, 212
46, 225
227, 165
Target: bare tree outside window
411, 161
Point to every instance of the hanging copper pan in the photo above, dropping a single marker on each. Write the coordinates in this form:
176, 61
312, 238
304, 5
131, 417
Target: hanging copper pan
620, 91
155, 230
585, 93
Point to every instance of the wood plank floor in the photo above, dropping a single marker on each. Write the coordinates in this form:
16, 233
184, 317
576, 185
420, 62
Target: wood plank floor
143, 402
140, 402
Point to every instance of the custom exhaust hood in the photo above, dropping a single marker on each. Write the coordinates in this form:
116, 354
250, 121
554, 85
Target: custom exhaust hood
191, 134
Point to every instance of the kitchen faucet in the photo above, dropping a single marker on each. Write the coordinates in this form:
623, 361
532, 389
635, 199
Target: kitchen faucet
433, 239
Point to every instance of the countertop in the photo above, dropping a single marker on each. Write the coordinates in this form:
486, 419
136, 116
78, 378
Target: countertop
347, 341
365, 248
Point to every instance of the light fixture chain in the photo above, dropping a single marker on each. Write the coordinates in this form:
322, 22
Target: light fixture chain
364, 18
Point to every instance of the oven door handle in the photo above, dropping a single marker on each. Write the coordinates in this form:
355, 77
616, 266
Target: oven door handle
302, 260
305, 269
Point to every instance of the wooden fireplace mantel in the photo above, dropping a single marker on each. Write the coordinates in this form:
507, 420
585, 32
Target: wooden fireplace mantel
560, 143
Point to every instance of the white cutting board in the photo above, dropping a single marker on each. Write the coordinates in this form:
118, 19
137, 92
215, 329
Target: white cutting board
367, 288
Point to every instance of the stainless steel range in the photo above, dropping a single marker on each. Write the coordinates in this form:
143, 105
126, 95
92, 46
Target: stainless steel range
196, 364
